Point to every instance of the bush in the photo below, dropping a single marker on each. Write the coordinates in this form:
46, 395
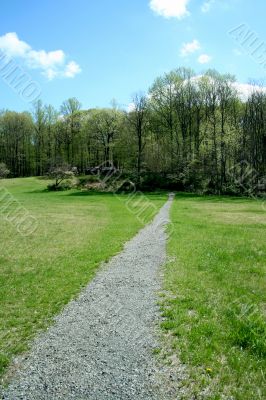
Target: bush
53, 187
63, 176
126, 188
4, 171
84, 180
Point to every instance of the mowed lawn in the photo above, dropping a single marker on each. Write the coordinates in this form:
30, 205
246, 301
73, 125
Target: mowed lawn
40, 273
216, 305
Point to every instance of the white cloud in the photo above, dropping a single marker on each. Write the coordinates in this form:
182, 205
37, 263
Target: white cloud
52, 63
131, 107
72, 69
204, 59
170, 8
50, 73
206, 6
189, 48
244, 90
12, 45
44, 60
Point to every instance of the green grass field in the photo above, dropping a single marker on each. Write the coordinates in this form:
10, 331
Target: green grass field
39, 274
214, 303
215, 307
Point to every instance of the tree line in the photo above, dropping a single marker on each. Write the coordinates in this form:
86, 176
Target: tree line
188, 132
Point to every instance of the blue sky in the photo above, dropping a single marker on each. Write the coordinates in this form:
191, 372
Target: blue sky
97, 51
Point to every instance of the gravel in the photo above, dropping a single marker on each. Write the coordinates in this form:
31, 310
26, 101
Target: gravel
101, 346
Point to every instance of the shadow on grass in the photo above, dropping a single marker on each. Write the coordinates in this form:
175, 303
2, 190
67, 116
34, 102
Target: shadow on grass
39, 191
154, 194
92, 193
214, 198
89, 193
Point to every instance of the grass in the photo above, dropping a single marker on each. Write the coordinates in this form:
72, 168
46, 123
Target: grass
214, 306
39, 274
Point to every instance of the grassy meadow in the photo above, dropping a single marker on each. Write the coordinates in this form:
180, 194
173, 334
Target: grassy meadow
215, 290
40, 273
214, 306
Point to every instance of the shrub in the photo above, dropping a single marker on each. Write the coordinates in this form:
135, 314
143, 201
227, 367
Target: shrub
67, 185
61, 173
4, 171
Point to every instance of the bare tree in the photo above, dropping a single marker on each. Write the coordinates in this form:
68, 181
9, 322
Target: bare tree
70, 110
138, 119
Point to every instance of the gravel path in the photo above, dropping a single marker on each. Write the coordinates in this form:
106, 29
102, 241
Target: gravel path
101, 346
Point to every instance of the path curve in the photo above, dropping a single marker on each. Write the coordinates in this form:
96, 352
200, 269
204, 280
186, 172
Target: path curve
101, 345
